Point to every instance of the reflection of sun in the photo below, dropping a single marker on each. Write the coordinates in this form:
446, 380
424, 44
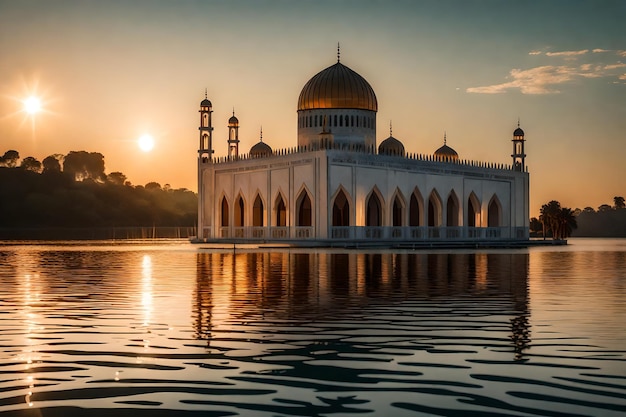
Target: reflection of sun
146, 143
32, 105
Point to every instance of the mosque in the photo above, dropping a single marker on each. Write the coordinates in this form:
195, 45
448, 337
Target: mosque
338, 187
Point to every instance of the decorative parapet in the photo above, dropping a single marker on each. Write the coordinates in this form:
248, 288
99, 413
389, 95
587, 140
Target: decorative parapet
359, 149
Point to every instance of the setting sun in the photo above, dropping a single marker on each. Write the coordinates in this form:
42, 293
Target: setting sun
32, 105
146, 143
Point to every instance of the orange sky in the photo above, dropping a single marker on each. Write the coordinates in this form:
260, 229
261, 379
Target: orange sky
108, 72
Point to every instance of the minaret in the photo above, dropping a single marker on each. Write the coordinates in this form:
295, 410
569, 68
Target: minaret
518, 149
205, 151
233, 137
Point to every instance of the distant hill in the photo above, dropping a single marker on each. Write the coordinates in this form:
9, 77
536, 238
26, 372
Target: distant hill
608, 223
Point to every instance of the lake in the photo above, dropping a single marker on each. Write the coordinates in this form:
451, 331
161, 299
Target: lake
164, 328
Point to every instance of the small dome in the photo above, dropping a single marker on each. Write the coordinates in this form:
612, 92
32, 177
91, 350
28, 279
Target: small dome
446, 153
260, 149
206, 103
518, 132
233, 120
391, 146
337, 87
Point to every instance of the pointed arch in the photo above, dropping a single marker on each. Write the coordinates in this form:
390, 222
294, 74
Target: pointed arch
434, 209
239, 212
224, 210
280, 211
452, 210
473, 211
304, 212
374, 208
494, 212
416, 209
341, 209
398, 209
258, 211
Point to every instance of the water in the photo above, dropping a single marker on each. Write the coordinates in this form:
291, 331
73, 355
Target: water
163, 329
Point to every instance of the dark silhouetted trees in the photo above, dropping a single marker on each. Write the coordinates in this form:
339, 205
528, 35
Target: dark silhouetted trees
9, 159
556, 220
81, 195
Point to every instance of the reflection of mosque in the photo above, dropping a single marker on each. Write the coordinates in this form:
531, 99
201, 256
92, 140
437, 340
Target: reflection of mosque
303, 287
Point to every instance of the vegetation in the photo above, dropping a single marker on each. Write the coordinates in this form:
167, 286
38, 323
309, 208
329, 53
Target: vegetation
558, 222
74, 191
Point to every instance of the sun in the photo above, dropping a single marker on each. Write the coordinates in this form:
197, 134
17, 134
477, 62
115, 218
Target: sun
32, 105
145, 142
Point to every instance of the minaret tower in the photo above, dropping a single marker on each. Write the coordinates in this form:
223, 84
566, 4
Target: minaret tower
518, 149
233, 137
205, 151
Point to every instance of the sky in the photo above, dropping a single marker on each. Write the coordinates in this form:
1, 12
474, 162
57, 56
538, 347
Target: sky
108, 72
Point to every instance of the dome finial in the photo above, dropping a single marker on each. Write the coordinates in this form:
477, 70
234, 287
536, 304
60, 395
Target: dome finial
261, 133
445, 137
338, 52
233, 110
206, 96
390, 129
518, 122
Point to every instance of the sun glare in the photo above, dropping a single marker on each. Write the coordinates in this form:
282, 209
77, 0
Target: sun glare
146, 143
32, 105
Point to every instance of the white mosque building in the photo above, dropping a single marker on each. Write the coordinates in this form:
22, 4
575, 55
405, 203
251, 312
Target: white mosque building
339, 187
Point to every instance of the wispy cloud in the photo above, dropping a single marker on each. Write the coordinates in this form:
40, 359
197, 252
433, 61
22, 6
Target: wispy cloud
544, 79
599, 50
535, 53
568, 53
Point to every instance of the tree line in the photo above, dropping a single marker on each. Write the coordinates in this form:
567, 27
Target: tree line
561, 222
73, 190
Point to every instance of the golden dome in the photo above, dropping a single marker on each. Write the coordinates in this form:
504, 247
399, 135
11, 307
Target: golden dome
446, 153
337, 87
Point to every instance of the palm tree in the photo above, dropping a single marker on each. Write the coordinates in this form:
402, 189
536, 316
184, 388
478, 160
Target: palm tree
619, 202
567, 223
549, 218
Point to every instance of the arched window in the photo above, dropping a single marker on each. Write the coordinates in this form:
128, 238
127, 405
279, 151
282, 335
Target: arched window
281, 212
434, 209
473, 211
341, 121
452, 209
341, 210
224, 212
347, 121
239, 211
373, 212
397, 212
304, 210
414, 212
257, 212
351, 121
315, 120
205, 120
335, 124
205, 141
494, 213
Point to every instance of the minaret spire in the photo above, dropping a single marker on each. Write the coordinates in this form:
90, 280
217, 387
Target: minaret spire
338, 52
206, 94
261, 133
444, 137
390, 129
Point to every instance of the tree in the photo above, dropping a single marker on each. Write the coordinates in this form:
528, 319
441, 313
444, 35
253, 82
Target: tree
535, 225
605, 207
588, 210
619, 202
84, 165
31, 164
116, 178
51, 164
548, 217
153, 186
10, 158
566, 223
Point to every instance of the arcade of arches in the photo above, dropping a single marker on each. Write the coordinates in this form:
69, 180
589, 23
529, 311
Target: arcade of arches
374, 211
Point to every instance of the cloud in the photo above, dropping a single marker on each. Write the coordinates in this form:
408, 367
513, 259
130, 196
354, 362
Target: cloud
623, 77
599, 50
544, 79
569, 54
535, 53
621, 53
